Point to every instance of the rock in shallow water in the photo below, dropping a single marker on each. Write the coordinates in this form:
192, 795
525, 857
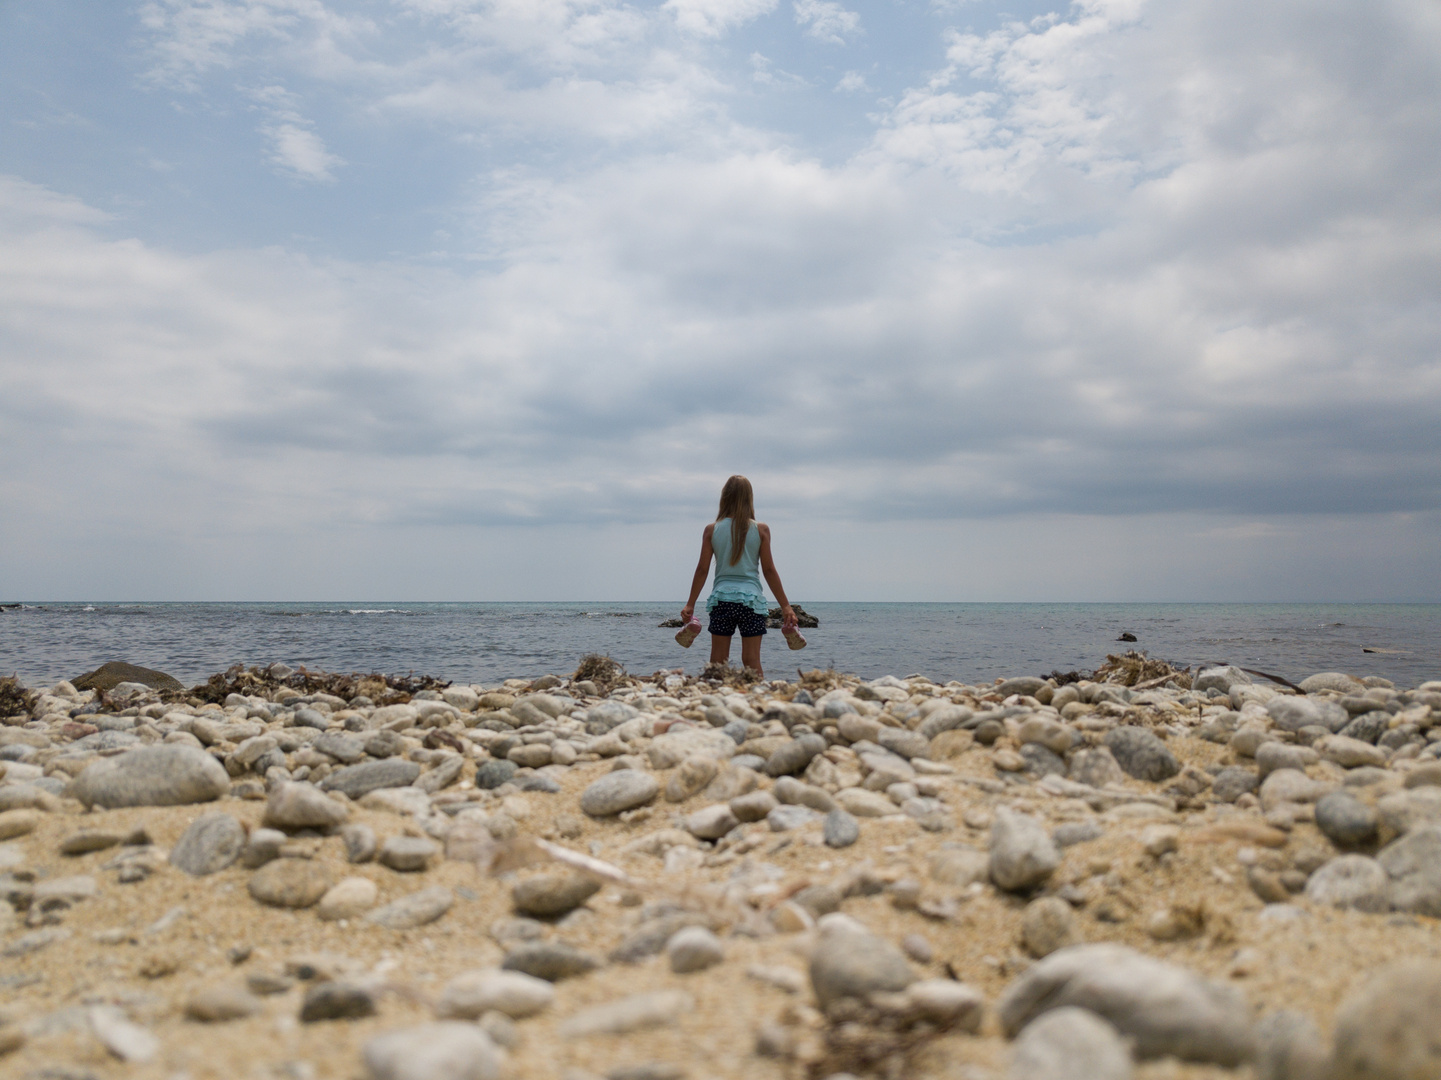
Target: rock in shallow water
212, 843
1069, 1044
1166, 1009
161, 775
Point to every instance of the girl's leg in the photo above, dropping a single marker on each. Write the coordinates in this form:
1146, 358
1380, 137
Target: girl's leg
750, 653
720, 648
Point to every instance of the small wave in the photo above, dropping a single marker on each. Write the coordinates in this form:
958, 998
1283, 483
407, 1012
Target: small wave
611, 614
376, 611
88, 607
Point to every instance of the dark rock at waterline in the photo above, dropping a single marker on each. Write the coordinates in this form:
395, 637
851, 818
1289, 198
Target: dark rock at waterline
804, 619
1127, 636
109, 676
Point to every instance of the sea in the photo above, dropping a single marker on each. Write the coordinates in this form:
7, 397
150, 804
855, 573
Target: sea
485, 643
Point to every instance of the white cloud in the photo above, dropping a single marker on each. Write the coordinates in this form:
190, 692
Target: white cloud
295, 149
712, 18
851, 82
1123, 266
827, 20
300, 152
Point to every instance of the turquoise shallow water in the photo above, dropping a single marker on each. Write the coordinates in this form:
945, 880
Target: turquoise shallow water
487, 642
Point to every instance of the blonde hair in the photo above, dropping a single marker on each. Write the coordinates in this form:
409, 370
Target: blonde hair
737, 502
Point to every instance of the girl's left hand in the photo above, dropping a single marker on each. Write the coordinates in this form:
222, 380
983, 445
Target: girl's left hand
687, 611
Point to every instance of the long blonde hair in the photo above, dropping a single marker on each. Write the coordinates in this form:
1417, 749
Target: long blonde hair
737, 502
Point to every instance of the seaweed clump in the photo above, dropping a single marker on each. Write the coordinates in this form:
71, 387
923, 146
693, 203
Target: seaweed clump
14, 698
601, 670
380, 689
1133, 668
721, 672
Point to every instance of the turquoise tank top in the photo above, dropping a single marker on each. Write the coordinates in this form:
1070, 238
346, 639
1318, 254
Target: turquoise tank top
741, 583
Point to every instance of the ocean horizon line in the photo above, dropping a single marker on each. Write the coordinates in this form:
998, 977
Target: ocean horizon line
29, 603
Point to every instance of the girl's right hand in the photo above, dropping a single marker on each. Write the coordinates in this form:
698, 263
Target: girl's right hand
687, 611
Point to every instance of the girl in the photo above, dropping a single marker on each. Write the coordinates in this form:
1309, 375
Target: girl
740, 544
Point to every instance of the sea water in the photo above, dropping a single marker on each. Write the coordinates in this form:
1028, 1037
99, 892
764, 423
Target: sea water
487, 642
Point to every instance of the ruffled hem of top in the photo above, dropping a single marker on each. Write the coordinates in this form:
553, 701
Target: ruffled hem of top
733, 595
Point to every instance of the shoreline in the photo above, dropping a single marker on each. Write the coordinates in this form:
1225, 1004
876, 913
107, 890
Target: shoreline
588, 875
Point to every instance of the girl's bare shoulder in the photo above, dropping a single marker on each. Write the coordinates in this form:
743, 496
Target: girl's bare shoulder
709, 529
763, 528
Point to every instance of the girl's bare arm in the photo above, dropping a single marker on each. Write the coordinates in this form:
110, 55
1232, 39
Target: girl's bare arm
773, 577
702, 571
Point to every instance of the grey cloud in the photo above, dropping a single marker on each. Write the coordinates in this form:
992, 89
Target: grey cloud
1238, 319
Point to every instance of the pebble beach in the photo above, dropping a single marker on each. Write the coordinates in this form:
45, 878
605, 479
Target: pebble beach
1143, 873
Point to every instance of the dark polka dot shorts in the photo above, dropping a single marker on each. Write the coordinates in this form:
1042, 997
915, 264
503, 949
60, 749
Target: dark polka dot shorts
728, 616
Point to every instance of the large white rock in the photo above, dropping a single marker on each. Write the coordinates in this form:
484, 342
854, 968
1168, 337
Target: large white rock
1165, 1009
450, 1050
475, 993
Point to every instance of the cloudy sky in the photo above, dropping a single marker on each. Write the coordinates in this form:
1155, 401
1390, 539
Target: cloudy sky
484, 299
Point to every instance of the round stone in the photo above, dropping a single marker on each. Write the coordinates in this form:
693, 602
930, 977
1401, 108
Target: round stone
693, 948
414, 910
549, 960
1047, 924
491, 774
336, 1001
1351, 881
165, 774
1070, 1044
618, 791
1345, 820
290, 883
853, 963
551, 894
356, 781
841, 829
294, 806
1022, 854
1141, 754
407, 854
514, 993
1387, 1029
449, 1050
349, 898
210, 844
216, 1004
